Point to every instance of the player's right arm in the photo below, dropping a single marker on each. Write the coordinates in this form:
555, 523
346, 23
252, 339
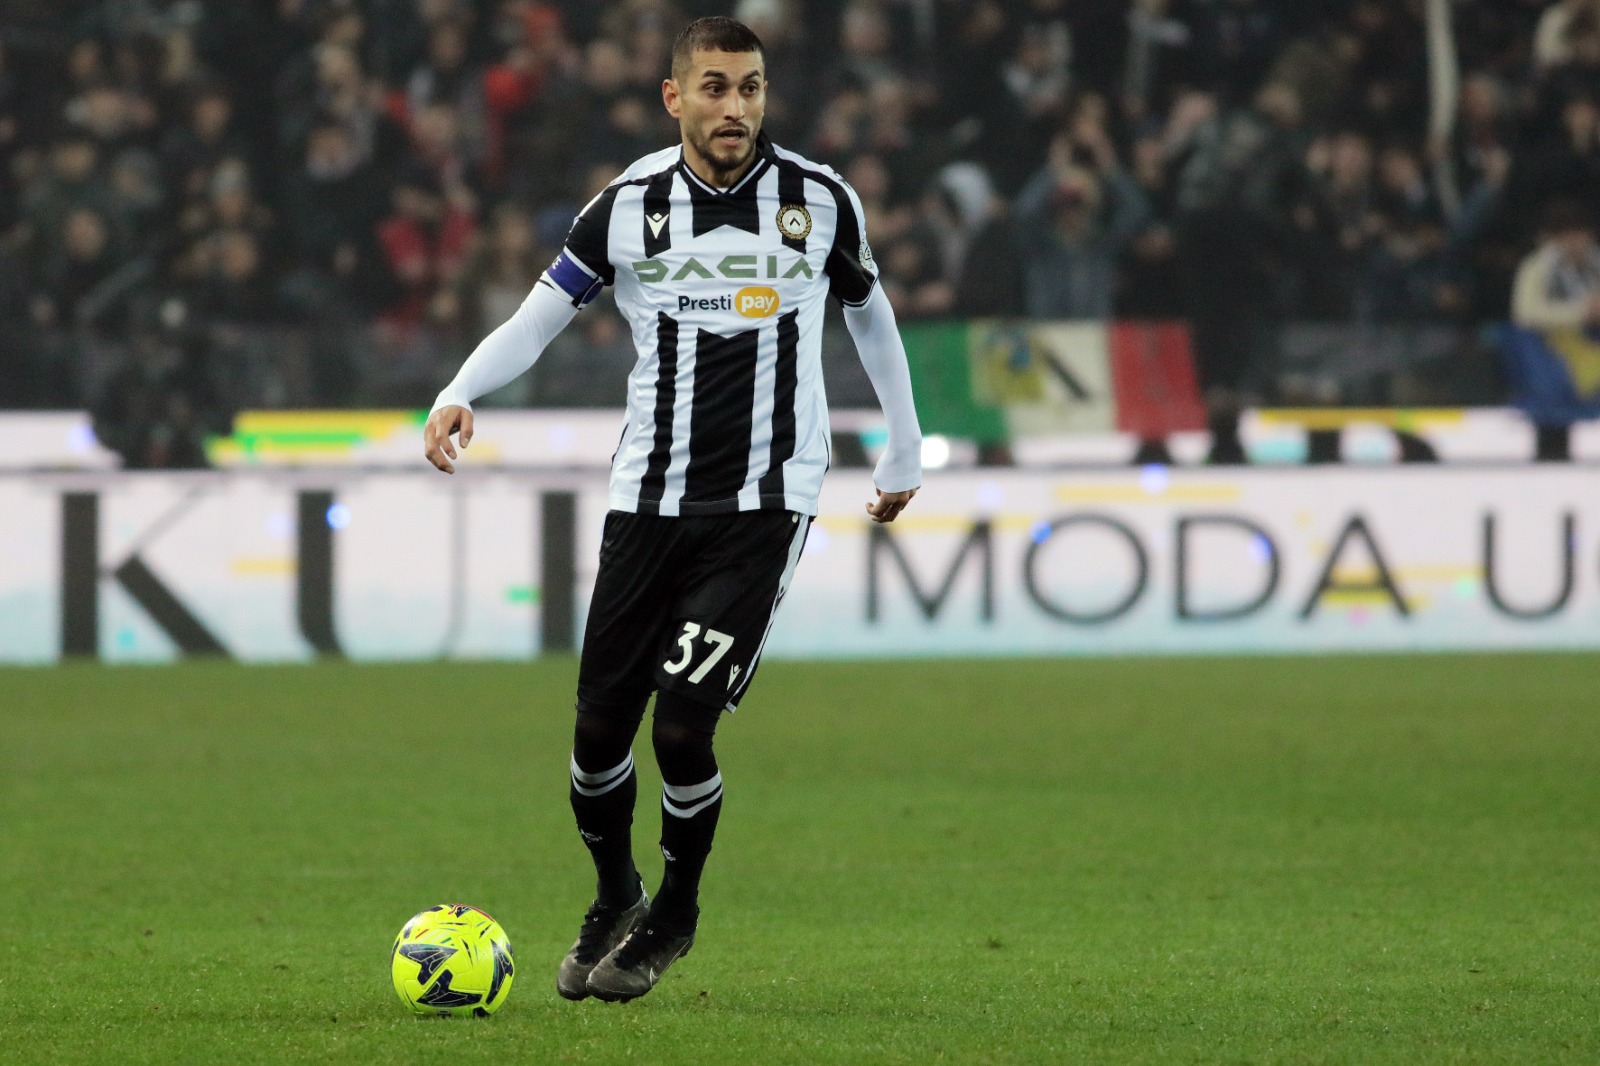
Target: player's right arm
575, 278
514, 346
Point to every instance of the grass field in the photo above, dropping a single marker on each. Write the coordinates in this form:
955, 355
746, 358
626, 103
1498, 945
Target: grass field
1362, 860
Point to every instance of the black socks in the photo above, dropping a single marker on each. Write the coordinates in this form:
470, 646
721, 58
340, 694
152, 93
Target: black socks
605, 788
691, 801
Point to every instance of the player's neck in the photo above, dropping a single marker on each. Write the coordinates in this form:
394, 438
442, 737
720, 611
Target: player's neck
717, 179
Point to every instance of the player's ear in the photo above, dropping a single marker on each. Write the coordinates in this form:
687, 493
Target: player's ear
671, 97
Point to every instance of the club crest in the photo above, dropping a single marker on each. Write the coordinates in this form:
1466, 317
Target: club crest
794, 221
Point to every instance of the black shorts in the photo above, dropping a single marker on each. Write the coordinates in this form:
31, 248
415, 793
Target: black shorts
685, 604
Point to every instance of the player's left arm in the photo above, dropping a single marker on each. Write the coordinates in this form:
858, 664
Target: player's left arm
883, 355
853, 279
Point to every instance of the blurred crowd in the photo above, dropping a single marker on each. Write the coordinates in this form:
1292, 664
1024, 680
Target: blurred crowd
180, 175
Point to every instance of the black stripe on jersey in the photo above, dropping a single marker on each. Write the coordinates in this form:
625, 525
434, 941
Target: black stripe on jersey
791, 191
849, 279
653, 486
657, 204
719, 428
589, 240
738, 208
783, 391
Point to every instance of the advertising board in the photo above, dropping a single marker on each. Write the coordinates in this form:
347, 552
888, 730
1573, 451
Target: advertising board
284, 565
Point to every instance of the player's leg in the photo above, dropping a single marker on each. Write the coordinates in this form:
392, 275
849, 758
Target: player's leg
614, 682
691, 801
738, 577
603, 791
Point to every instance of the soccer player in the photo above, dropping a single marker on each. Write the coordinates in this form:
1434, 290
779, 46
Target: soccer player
723, 251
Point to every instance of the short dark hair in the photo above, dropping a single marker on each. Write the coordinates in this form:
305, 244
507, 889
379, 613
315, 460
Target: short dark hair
717, 33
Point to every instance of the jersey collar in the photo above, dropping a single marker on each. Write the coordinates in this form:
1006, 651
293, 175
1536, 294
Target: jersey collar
765, 157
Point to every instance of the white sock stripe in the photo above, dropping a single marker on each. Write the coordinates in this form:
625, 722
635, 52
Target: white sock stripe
603, 782
689, 812
690, 793
604, 775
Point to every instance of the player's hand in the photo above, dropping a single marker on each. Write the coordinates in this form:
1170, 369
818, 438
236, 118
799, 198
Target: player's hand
889, 505
436, 435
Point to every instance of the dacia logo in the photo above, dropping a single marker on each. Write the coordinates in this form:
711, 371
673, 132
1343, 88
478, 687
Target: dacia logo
732, 267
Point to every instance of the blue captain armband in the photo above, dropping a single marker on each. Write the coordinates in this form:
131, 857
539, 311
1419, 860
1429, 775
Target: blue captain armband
568, 275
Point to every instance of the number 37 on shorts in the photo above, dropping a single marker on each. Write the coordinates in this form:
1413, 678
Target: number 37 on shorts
702, 649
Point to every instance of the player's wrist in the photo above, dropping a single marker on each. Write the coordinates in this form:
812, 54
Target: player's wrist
447, 400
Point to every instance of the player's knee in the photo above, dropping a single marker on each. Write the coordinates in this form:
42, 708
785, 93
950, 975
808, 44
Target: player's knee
604, 730
682, 734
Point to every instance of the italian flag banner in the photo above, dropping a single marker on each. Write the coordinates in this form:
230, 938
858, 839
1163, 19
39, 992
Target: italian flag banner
993, 381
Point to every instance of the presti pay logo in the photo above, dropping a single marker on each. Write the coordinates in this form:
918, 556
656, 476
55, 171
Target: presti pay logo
755, 301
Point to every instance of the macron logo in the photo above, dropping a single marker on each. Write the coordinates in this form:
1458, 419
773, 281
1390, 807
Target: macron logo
656, 222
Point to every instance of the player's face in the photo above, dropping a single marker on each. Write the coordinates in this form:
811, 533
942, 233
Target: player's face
719, 104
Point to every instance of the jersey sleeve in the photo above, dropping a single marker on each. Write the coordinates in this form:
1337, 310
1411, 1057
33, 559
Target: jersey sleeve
584, 266
851, 271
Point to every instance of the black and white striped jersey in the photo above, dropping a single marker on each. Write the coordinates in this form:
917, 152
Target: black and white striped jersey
724, 291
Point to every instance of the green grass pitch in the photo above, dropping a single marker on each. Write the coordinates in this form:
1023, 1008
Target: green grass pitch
1347, 860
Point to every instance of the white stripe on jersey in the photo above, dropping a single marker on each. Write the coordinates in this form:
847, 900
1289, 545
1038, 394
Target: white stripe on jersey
761, 418
682, 417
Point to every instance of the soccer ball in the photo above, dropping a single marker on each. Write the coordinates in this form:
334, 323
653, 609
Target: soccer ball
452, 960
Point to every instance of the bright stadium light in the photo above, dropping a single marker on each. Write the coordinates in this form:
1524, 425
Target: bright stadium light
935, 452
1153, 478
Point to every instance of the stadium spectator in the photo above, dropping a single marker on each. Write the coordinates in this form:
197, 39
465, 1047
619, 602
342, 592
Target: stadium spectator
1241, 175
1558, 284
973, 47
501, 267
156, 410
191, 149
1151, 287
72, 182
74, 269
335, 203
1566, 166
1557, 293
236, 287
1075, 220
977, 243
1552, 40
1232, 44
1339, 211
1484, 125
425, 241
135, 197
1037, 75
447, 82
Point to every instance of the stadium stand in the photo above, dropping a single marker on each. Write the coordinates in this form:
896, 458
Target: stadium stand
207, 206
